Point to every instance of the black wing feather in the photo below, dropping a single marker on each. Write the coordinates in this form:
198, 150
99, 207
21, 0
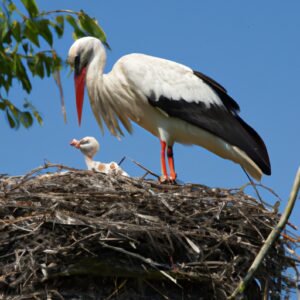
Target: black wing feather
220, 90
223, 122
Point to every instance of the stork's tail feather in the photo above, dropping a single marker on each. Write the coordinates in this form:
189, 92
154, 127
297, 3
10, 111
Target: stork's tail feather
247, 163
258, 154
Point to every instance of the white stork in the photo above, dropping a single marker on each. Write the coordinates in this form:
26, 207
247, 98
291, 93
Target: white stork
168, 99
89, 146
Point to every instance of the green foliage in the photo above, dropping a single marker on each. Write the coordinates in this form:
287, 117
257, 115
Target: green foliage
27, 38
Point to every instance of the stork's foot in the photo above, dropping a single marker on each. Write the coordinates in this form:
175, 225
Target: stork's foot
166, 180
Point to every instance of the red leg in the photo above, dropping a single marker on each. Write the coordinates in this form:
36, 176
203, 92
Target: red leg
163, 161
173, 175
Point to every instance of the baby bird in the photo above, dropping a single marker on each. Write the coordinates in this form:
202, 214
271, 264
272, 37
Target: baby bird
89, 146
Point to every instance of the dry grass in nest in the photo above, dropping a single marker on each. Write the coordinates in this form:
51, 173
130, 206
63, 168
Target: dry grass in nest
85, 235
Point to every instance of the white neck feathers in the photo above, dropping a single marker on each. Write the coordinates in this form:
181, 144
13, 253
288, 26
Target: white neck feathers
106, 100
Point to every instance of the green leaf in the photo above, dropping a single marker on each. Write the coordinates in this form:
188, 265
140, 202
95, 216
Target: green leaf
91, 26
11, 7
31, 32
15, 65
48, 62
59, 26
31, 65
11, 121
3, 31
31, 50
39, 67
44, 31
72, 21
86, 22
21, 74
38, 117
26, 119
16, 117
35, 113
31, 7
60, 19
13, 109
78, 33
26, 84
7, 38
59, 30
7, 82
56, 63
16, 31
7, 70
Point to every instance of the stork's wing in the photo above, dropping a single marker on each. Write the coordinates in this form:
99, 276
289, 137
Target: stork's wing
221, 122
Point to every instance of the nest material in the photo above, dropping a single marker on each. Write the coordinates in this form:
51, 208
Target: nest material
85, 235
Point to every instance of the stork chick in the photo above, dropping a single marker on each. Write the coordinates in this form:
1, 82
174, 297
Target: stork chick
89, 146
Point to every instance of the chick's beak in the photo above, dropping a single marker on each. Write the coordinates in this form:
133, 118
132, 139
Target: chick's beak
75, 143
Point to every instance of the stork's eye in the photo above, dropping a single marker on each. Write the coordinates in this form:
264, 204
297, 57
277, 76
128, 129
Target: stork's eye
77, 60
77, 64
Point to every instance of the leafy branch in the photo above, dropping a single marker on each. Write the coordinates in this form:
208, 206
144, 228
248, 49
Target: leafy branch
27, 38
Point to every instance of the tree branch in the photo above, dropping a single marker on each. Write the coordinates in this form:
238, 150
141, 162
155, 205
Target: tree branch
273, 236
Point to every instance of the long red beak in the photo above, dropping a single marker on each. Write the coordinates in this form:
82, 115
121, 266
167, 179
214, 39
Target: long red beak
79, 89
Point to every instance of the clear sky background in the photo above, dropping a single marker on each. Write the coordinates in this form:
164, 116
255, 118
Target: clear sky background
251, 47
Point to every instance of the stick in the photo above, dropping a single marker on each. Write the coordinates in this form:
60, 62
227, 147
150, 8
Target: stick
148, 261
46, 165
144, 168
124, 157
254, 186
273, 236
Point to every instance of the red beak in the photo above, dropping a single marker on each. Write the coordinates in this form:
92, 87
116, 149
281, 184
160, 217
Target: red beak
79, 89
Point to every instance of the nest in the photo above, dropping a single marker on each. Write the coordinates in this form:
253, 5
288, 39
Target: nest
85, 235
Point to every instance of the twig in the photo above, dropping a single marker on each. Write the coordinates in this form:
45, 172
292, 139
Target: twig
254, 187
156, 290
273, 236
116, 290
121, 161
292, 225
65, 11
81, 240
252, 225
47, 165
266, 290
148, 261
144, 168
56, 76
264, 187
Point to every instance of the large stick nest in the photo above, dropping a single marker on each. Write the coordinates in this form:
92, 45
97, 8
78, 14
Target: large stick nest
85, 235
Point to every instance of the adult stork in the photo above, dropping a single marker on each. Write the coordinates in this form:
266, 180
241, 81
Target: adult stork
168, 99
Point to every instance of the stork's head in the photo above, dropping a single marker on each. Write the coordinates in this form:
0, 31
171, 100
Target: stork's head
88, 145
80, 56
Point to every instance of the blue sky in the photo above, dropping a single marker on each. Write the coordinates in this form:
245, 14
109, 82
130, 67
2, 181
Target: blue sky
251, 47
